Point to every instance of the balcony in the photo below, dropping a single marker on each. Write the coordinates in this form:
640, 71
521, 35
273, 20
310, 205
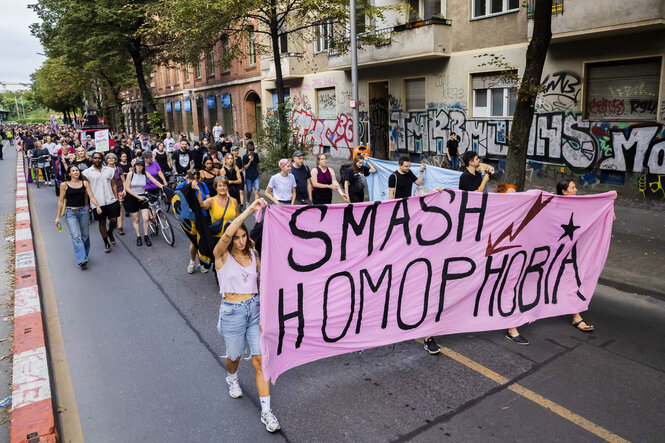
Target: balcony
293, 67
573, 20
421, 40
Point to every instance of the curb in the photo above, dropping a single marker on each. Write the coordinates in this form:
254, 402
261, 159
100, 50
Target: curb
627, 287
33, 418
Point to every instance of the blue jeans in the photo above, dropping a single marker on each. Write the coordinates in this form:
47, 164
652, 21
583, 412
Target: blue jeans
239, 324
251, 184
78, 221
454, 162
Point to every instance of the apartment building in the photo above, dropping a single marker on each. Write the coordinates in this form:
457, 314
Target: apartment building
443, 68
195, 96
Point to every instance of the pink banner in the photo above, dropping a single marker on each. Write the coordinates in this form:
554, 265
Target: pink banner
342, 278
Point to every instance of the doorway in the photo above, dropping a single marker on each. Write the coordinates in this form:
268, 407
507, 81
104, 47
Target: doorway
379, 119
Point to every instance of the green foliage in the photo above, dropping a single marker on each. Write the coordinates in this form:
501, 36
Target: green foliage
156, 122
278, 140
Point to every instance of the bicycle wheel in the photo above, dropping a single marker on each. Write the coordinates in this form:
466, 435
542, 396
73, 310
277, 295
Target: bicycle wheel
167, 230
154, 227
35, 174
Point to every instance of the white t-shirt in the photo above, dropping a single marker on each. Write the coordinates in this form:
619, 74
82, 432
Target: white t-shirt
169, 143
100, 184
52, 147
281, 186
217, 131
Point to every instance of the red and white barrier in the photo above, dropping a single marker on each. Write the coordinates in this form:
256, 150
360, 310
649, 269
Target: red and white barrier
33, 418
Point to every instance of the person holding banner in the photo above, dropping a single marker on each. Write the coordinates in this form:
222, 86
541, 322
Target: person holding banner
401, 181
237, 265
324, 182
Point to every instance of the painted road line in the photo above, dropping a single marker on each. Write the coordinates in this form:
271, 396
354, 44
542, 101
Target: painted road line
536, 398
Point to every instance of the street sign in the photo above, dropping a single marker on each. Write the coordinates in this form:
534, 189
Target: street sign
352, 103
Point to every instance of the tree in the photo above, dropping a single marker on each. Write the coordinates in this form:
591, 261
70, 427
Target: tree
57, 86
235, 20
518, 143
103, 30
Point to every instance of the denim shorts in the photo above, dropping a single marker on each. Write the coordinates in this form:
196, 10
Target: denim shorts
239, 325
252, 184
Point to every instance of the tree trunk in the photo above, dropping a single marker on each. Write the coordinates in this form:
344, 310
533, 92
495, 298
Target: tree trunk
146, 95
518, 143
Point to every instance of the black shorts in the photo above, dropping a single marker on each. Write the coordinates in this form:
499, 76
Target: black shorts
111, 210
134, 205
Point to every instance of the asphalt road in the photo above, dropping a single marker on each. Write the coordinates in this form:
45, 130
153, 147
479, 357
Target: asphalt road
146, 364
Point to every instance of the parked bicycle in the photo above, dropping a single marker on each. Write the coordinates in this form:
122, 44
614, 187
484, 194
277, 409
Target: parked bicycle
158, 220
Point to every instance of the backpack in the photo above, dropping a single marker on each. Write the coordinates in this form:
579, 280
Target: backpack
344, 171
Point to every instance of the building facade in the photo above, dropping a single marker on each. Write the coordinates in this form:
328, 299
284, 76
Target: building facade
450, 66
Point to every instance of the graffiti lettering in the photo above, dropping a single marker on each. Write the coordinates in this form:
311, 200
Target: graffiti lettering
632, 91
561, 91
643, 107
651, 186
443, 82
337, 134
603, 107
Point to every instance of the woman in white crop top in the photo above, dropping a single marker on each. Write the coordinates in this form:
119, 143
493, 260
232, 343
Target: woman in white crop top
237, 265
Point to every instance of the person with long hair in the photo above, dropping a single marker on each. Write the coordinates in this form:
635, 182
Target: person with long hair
512, 333
222, 205
72, 199
354, 182
237, 265
231, 172
119, 177
324, 182
136, 200
208, 174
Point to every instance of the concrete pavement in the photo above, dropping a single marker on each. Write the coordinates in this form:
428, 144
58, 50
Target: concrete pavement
145, 362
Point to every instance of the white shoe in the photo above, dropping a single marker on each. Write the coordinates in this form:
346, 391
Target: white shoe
191, 268
269, 419
235, 391
202, 270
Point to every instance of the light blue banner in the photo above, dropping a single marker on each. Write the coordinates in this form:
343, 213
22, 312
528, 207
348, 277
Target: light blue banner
434, 177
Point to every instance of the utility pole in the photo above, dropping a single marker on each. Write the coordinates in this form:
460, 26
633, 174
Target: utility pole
354, 74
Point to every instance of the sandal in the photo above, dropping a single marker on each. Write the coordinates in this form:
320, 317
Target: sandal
578, 326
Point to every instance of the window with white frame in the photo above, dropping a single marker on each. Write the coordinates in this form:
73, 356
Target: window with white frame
426, 9
177, 74
323, 34
211, 62
168, 76
189, 67
414, 94
486, 8
623, 89
225, 46
198, 70
494, 94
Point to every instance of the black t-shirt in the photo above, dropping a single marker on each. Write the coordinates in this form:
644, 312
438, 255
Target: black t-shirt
356, 183
469, 181
301, 174
402, 183
452, 146
181, 161
82, 164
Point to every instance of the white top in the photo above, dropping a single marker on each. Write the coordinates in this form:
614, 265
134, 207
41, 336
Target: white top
169, 143
236, 279
217, 131
100, 184
52, 147
281, 186
138, 183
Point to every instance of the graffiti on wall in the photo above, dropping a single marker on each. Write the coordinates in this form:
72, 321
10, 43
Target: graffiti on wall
556, 137
651, 186
335, 134
561, 91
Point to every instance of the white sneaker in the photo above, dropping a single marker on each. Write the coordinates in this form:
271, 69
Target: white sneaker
191, 268
235, 391
202, 270
269, 419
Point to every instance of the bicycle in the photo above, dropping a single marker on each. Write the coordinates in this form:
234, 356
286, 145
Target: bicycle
158, 220
34, 170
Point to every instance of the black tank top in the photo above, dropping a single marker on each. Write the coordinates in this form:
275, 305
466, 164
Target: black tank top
210, 183
162, 161
75, 196
231, 174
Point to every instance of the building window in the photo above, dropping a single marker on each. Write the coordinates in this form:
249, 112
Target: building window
198, 70
326, 103
425, 9
494, 94
226, 67
485, 8
251, 36
211, 62
189, 68
168, 76
414, 94
323, 34
177, 74
623, 89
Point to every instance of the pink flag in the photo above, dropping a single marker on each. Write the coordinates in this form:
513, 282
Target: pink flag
342, 278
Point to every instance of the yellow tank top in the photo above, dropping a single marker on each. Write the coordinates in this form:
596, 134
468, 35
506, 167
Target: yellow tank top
217, 211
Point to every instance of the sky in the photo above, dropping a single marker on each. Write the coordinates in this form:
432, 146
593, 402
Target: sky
18, 48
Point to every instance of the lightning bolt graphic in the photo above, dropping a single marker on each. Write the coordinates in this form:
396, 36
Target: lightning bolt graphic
538, 206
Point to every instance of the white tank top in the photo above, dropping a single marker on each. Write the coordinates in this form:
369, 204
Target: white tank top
237, 279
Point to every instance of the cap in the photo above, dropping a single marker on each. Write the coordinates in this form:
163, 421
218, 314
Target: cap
139, 161
298, 153
233, 148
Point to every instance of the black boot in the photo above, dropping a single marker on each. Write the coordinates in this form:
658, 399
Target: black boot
139, 242
147, 241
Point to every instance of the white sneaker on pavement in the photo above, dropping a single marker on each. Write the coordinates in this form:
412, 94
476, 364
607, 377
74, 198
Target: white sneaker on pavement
235, 391
269, 419
202, 270
191, 268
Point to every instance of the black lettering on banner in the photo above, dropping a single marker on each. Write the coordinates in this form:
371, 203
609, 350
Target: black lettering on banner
503, 284
325, 306
436, 210
306, 235
402, 325
445, 277
533, 268
547, 277
358, 228
489, 271
568, 261
299, 314
463, 210
396, 221
364, 274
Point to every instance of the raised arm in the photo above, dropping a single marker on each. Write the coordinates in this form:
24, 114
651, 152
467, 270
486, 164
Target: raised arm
222, 246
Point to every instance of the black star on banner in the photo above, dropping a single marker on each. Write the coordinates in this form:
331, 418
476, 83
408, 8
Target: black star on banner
569, 229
